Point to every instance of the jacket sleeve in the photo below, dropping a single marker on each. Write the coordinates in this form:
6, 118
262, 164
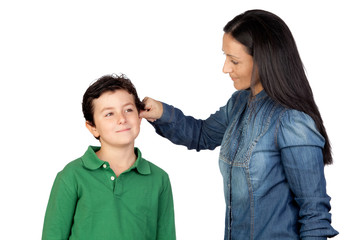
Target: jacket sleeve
194, 133
60, 211
166, 218
301, 155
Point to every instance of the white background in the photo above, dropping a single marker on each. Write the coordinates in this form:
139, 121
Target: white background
50, 51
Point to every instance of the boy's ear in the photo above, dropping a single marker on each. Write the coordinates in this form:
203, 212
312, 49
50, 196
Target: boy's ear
92, 129
141, 118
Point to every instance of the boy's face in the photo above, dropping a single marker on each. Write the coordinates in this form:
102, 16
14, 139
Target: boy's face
116, 119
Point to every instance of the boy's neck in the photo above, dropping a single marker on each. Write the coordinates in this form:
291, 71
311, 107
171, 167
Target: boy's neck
119, 158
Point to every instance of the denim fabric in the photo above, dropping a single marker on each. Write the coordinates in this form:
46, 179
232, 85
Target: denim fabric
271, 162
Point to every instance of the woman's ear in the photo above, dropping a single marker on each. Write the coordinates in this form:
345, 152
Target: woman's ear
92, 129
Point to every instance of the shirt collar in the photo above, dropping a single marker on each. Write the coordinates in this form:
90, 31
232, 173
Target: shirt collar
261, 95
141, 164
92, 162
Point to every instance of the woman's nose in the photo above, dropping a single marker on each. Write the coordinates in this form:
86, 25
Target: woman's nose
227, 68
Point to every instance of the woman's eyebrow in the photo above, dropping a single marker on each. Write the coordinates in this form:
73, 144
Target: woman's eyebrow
231, 55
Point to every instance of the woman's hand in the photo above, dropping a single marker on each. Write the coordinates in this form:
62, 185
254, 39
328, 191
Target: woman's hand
153, 109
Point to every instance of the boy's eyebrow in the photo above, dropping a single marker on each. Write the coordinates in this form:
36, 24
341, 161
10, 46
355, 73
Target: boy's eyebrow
112, 108
106, 109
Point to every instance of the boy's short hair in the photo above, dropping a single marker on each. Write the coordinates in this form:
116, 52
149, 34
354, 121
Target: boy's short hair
105, 84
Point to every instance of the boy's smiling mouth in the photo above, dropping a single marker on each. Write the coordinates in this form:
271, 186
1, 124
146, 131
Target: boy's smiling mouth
122, 130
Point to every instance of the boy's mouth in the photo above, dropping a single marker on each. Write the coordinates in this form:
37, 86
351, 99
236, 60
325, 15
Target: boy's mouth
122, 130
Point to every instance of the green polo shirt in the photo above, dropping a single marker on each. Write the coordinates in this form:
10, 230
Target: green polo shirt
88, 201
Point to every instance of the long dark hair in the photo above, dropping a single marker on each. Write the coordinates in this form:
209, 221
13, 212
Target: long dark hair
278, 65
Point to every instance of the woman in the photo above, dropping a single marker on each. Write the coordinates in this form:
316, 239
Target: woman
273, 142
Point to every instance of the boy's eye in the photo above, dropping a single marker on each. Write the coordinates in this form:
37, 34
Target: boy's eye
108, 114
129, 110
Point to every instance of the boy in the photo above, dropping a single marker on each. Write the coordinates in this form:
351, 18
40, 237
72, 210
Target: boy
111, 192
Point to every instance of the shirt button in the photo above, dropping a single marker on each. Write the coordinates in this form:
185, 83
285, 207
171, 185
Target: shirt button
112, 178
104, 166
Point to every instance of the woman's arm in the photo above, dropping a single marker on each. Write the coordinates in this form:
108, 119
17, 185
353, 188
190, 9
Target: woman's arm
172, 124
301, 155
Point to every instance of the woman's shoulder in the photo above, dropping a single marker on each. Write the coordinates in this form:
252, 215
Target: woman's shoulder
298, 128
292, 116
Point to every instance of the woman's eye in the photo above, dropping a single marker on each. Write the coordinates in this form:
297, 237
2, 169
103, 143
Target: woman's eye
129, 110
234, 62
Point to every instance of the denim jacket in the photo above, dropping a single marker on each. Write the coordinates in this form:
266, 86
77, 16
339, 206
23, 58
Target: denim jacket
271, 162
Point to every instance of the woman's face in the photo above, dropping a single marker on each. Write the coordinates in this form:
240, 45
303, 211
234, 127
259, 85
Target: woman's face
239, 64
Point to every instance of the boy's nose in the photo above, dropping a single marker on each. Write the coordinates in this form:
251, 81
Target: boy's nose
121, 119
